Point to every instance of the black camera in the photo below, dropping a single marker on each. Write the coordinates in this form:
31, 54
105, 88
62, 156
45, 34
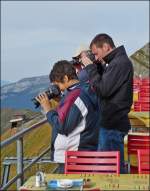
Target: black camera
77, 60
90, 55
52, 92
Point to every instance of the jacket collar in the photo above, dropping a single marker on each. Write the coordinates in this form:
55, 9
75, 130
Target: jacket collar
117, 51
73, 86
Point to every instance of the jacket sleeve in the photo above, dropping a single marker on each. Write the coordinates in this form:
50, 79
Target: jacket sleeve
65, 121
110, 81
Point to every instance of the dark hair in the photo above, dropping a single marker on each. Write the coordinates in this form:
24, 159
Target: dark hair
60, 69
100, 39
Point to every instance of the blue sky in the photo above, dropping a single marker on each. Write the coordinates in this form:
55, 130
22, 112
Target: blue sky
36, 34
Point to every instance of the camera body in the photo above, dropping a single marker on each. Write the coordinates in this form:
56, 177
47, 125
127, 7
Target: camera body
90, 55
77, 61
52, 92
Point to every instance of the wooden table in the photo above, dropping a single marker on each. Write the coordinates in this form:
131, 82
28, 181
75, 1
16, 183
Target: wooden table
99, 181
139, 119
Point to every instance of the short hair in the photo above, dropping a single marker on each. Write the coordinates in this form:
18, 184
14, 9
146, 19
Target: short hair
60, 69
100, 39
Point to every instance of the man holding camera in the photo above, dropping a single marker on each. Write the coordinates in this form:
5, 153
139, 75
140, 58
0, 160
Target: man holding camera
114, 87
77, 63
75, 122
82, 52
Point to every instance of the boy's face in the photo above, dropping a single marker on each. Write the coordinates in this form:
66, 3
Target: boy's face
63, 85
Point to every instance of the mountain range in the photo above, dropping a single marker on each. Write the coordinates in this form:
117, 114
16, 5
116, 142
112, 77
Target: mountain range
3, 82
18, 95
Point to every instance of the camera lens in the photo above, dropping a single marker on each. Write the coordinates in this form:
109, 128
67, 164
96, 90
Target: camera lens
36, 103
52, 92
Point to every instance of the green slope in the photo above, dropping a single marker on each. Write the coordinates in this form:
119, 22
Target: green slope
140, 60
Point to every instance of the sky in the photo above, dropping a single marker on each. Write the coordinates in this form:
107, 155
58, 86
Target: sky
36, 34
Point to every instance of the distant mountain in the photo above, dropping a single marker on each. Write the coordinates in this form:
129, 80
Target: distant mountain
140, 60
18, 95
3, 82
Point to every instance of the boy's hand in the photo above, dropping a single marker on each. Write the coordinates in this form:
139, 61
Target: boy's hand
44, 101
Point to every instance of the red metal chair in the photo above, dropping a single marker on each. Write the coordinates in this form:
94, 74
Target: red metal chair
143, 93
78, 162
141, 106
136, 142
145, 81
144, 99
145, 107
143, 161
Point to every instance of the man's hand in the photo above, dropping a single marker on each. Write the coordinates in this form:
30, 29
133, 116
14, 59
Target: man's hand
44, 101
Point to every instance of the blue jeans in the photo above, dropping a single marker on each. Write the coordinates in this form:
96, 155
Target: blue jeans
112, 140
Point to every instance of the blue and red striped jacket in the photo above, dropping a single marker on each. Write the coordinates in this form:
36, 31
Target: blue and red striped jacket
75, 123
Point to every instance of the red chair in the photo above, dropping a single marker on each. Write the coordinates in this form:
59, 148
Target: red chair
136, 142
142, 105
144, 99
143, 161
95, 162
136, 81
145, 81
144, 94
144, 89
145, 106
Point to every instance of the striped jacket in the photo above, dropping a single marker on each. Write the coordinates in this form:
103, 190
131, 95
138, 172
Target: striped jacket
75, 123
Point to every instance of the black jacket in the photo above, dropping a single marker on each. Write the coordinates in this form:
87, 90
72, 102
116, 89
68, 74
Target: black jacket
115, 89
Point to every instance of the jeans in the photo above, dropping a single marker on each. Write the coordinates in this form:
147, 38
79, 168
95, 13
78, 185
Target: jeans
112, 140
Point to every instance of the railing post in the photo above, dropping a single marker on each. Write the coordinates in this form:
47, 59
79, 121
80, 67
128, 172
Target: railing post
6, 170
20, 161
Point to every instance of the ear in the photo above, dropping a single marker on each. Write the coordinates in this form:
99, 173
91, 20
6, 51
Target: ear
66, 79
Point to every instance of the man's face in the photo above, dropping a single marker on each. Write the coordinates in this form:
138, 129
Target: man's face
100, 52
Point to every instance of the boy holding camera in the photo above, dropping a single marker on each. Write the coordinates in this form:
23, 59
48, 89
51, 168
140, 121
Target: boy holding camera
75, 121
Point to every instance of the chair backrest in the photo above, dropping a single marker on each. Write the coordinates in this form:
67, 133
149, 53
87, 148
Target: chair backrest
95, 162
145, 81
143, 161
136, 142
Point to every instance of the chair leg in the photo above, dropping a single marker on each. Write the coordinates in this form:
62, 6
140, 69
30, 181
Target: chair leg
129, 170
